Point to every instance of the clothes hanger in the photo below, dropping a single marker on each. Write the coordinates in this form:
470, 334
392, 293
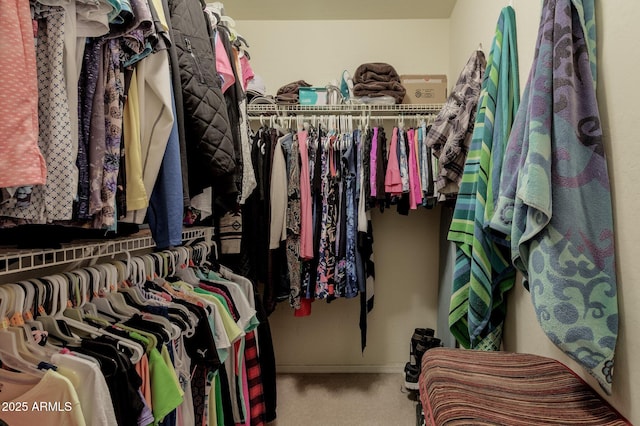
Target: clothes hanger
161, 263
11, 358
162, 321
115, 299
89, 308
149, 267
28, 313
9, 347
136, 351
22, 330
106, 286
50, 323
172, 257
135, 279
184, 272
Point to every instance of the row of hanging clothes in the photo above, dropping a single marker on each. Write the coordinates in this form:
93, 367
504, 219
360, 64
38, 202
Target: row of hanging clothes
126, 112
158, 339
305, 233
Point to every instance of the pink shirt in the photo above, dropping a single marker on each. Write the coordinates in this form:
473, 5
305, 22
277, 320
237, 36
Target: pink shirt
392, 180
247, 71
223, 65
21, 162
306, 216
373, 156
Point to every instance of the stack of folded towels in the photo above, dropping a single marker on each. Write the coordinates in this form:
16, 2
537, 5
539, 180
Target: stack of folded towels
378, 79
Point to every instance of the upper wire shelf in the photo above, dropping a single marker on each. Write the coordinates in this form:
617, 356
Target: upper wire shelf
269, 108
14, 260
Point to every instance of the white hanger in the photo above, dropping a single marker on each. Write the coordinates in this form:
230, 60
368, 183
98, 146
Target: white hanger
49, 321
139, 275
11, 357
102, 301
23, 330
80, 326
28, 306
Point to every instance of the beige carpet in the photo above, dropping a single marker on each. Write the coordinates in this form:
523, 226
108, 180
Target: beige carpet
343, 400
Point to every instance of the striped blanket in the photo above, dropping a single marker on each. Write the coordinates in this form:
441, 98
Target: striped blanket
555, 200
467, 387
483, 271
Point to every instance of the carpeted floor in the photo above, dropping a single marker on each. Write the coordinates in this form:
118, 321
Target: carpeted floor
344, 400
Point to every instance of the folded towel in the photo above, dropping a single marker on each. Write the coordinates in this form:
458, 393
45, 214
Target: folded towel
378, 79
555, 199
376, 71
288, 93
379, 88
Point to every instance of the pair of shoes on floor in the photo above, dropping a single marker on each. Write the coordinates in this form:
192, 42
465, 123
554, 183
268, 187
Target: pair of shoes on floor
422, 340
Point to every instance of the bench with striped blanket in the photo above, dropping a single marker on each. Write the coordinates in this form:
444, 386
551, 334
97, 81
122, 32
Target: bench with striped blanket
465, 387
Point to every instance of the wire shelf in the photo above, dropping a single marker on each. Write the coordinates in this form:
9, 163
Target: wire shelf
268, 109
14, 260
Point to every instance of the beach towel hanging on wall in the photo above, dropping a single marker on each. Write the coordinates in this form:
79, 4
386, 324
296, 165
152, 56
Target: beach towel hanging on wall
555, 200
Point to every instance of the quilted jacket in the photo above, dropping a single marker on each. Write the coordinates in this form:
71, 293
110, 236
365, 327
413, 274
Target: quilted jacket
210, 150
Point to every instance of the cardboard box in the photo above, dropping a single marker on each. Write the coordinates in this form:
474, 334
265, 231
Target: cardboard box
312, 96
424, 88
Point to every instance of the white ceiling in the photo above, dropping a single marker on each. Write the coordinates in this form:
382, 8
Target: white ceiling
337, 9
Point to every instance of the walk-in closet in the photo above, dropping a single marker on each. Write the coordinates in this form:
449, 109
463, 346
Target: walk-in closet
283, 213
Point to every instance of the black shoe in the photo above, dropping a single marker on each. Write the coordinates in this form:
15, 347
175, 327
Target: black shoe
419, 334
412, 372
431, 342
411, 379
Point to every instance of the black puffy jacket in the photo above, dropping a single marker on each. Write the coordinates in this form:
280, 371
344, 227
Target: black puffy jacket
209, 142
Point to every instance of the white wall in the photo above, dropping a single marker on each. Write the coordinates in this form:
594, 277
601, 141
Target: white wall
406, 296
318, 51
618, 32
405, 248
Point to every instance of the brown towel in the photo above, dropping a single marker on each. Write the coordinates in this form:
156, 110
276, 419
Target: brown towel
378, 79
288, 94
376, 89
375, 71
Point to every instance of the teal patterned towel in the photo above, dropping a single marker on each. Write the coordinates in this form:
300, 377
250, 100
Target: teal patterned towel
555, 201
483, 271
